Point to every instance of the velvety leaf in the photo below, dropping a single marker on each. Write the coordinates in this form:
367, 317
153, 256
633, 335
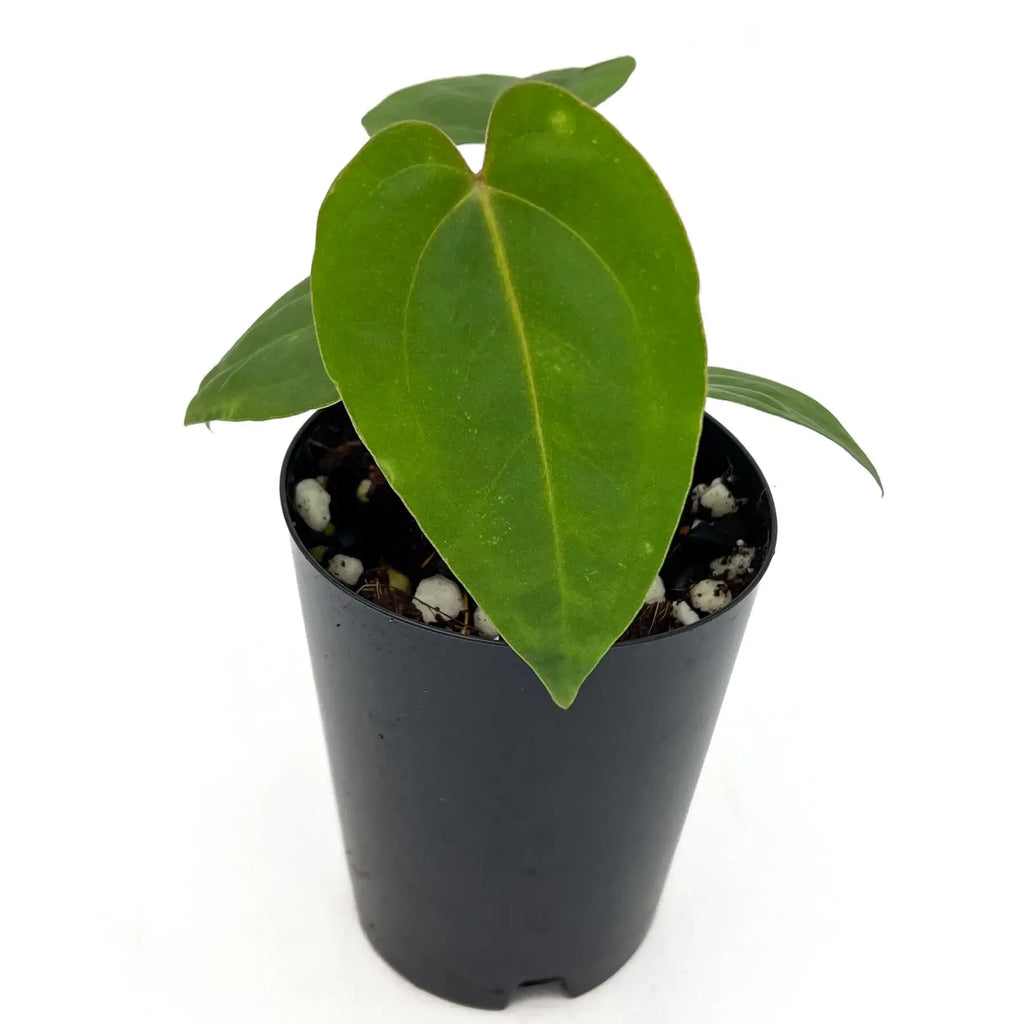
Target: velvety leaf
780, 400
273, 370
460, 106
522, 353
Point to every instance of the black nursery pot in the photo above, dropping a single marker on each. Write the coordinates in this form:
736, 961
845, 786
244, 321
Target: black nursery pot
493, 839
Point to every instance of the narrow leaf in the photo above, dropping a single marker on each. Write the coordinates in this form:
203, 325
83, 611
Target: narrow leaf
273, 370
522, 352
780, 400
461, 106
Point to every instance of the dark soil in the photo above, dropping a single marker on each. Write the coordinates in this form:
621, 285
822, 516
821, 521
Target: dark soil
371, 523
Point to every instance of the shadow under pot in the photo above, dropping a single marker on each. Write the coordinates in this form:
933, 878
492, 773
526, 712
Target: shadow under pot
494, 840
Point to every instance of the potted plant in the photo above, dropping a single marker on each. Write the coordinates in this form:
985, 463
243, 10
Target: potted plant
525, 554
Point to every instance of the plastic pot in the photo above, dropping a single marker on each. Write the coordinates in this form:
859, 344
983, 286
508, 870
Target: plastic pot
493, 839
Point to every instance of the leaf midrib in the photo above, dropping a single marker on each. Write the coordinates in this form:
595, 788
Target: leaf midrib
623, 294
519, 325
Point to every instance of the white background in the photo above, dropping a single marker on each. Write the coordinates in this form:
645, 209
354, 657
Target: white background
850, 175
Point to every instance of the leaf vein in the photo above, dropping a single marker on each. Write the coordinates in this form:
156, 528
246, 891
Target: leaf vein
220, 378
410, 391
572, 231
504, 272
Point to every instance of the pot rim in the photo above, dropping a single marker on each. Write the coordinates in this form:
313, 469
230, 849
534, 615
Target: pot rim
405, 622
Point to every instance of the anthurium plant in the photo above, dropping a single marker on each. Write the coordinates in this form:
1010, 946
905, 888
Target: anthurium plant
520, 349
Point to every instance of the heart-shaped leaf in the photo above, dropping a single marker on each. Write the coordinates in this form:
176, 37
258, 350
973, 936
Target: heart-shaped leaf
273, 370
461, 106
522, 353
790, 404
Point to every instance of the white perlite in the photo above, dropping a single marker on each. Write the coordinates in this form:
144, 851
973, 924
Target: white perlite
363, 490
313, 504
483, 624
717, 499
736, 564
684, 614
709, 595
655, 592
438, 598
695, 495
346, 568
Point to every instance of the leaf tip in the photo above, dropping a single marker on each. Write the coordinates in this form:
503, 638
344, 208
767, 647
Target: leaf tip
565, 678
861, 456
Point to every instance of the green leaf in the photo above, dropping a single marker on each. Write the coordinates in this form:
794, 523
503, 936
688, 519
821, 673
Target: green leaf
273, 370
780, 400
522, 353
460, 106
